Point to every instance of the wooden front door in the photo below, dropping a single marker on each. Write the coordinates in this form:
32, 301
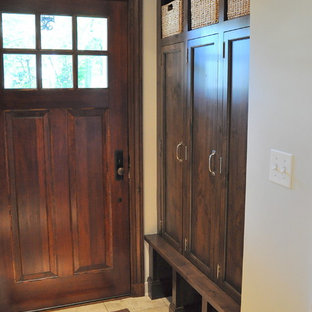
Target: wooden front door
64, 219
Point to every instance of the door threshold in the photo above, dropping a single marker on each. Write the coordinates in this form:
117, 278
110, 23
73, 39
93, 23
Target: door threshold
80, 303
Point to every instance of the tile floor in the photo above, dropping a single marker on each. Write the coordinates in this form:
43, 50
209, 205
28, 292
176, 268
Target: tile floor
141, 304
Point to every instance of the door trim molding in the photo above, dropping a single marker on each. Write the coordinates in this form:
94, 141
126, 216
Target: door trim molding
135, 126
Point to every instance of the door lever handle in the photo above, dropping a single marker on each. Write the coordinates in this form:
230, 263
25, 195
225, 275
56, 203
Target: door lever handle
213, 153
119, 165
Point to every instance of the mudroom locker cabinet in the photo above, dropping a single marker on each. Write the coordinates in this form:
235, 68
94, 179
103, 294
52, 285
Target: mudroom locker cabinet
203, 78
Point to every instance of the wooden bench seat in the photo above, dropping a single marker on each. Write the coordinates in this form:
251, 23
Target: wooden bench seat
213, 298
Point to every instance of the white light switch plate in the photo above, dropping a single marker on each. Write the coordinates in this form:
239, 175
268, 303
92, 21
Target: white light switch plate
281, 166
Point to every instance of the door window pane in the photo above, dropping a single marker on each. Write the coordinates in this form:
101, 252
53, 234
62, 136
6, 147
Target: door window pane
57, 71
92, 71
56, 32
92, 33
19, 31
19, 71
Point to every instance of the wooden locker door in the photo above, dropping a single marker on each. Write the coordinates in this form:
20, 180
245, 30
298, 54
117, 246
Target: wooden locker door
236, 72
204, 175
174, 149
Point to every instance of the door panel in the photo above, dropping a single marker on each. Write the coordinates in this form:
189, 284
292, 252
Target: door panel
204, 104
64, 217
174, 147
29, 162
90, 196
237, 44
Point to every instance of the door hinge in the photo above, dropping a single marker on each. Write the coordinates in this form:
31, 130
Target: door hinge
223, 49
187, 55
185, 244
218, 271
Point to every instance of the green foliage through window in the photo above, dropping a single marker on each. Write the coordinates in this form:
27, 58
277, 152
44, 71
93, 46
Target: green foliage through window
20, 71
56, 51
57, 71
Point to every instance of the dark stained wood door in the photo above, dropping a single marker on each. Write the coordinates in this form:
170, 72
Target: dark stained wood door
64, 218
236, 72
204, 140
174, 147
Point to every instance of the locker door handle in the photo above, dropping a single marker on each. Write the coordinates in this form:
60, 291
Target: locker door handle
178, 152
213, 153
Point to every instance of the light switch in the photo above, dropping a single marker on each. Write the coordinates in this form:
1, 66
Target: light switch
281, 166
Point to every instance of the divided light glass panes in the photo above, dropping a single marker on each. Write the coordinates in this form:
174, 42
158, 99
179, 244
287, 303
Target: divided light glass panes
92, 33
92, 71
19, 71
57, 71
56, 32
18, 31
57, 66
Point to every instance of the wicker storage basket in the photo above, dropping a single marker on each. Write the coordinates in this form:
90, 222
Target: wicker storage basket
237, 8
172, 18
204, 12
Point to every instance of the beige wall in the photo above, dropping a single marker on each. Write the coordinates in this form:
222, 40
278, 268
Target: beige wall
278, 235
149, 119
